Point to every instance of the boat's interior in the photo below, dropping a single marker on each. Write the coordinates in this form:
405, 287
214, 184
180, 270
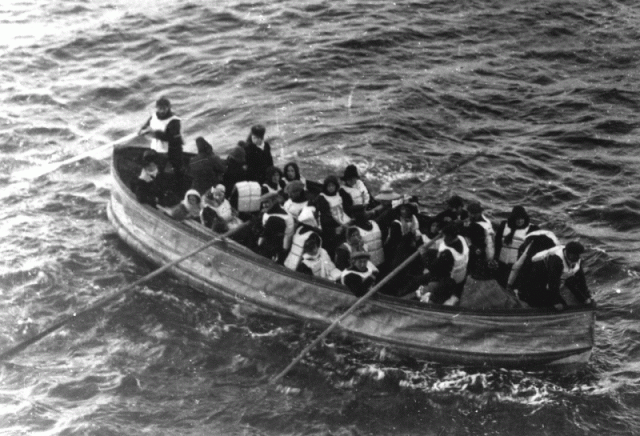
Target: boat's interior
127, 166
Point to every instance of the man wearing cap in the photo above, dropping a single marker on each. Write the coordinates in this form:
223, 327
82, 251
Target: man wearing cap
165, 129
147, 187
480, 235
550, 270
361, 275
277, 228
258, 153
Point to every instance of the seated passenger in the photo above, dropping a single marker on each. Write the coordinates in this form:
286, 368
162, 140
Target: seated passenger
236, 168
291, 172
454, 213
277, 229
215, 205
509, 236
353, 244
437, 286
206, 168
457, 246
480, 235
361, 275
273, 181
404, 235
189, 208
550, 270
370, 234
534, 243
147, 187
356, 188
316, 261
297, 198
330, 205
307, 226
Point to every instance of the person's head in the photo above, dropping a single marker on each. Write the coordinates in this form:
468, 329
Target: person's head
149, 161
257, 134
475, 211
218, 193
273, 175
238, 154
406, 211
573, 250
194, 200
295, 190
450, 232
359, 260
353, 236
350, 176
330, 185
519, 218
312, 244
292, 171
268, 200
455, 203
163, 106
203, 146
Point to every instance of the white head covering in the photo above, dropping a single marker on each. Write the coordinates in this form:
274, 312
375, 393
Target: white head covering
194, 211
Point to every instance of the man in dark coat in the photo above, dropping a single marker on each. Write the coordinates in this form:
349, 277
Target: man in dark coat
258, 154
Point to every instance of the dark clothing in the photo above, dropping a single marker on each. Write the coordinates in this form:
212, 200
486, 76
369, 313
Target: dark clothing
273, 234
206, 170
258, 160
358, 285
172, 135
478, 263
235, 173
148, 191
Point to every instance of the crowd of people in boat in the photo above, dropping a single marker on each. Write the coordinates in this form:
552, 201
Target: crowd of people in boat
339, 231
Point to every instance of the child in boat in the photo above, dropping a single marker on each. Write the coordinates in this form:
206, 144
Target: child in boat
215, 205
315, 260
509, 237
189, 208
361, 275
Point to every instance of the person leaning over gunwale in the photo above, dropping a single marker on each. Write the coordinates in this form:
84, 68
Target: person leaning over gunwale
165, 129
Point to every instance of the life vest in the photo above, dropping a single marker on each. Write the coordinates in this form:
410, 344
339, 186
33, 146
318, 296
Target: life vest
249, 194
372, 241
288, 233
358, 193
489, 236
294, 208
321, 265
546, 233
337, 210
371, 269
297, 243
408, 227
460, 260
157, 124
509, 252
567, 270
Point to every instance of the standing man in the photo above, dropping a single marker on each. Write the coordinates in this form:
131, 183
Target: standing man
165, 130
258, 153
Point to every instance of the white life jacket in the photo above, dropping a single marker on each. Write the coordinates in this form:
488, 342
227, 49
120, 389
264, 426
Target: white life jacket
288, 232
489, 236
358, 193
509, 252
372, 241
460, 260
336, 207
294, 208
297, 244
158, 124
249, 194
567, 270
371, 269
546, 233
408, 227
321, 265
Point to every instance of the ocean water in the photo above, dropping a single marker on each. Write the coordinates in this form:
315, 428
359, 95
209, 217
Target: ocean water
548, 89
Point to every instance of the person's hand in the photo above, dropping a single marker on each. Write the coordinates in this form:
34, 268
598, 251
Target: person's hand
558, 306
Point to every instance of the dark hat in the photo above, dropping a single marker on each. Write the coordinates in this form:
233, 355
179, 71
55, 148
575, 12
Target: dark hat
574, 247
258, 130
360, 255
163, 101
519, 212
350, 172
455, 201
238, 154
475, 208
149, 156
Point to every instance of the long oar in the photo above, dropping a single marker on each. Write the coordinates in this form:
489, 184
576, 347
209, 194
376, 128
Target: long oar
34, 173
357, 304
108, 299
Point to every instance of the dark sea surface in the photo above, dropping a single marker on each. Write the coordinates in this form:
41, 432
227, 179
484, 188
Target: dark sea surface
548, 89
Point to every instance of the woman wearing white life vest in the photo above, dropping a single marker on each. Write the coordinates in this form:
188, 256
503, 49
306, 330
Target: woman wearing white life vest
509, 237
277, 229
273, 181
330, 205
165, 129
316, 261
457, 246
370, 234
480, 235
361, 275
307, 226
550, 269
404, 235
356, 188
